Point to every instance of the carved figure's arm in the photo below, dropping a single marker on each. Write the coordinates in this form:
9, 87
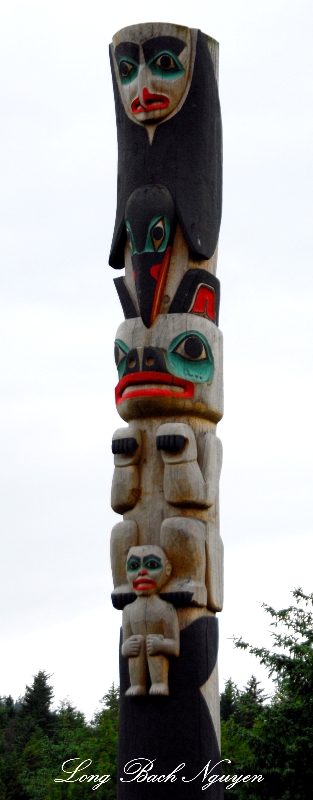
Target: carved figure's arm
183, 479
131, 642
126, 447
184, 482
211, 463
169, 644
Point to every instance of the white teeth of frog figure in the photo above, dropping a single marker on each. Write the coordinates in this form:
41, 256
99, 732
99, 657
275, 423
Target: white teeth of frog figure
168, 459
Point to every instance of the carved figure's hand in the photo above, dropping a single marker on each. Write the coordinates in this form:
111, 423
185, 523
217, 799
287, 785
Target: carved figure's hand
172, 443
154, 643
131, 648
125, 446
177, 443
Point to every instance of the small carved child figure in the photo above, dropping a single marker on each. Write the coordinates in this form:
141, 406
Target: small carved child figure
150, 624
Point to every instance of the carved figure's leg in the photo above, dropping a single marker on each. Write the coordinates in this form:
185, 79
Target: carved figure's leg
183, 540
138, 671
124, 535
158, 668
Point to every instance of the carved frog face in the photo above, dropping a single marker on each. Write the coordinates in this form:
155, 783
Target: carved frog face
173, 367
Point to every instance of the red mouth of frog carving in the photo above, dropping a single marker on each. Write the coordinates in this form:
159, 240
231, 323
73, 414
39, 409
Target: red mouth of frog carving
153, 384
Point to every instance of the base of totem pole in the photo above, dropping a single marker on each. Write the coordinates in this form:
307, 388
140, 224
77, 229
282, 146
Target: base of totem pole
174, 730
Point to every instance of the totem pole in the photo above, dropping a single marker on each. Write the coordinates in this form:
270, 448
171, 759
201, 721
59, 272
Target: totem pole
167, 554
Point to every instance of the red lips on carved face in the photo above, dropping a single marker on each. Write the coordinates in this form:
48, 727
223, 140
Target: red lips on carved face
153, 384
152, 102
141, 583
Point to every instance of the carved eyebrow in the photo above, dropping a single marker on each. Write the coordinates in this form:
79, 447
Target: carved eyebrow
154, 46
133, 559
155, 558
127, 50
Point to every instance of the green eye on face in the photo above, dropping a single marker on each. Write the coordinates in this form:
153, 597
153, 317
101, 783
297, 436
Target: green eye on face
130, 237
166, 64
190, 356
133, 564
120, 354
157, 237
152, 563
128, 70
158, 234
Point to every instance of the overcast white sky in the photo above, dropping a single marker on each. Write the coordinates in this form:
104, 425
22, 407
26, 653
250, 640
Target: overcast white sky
59, 313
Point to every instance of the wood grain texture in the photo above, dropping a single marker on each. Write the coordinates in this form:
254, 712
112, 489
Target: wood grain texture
188, 531
183, 149
207, 398
167, 553
150, 624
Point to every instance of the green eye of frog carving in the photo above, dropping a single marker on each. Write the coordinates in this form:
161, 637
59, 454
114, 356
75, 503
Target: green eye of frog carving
190, 356
120, 354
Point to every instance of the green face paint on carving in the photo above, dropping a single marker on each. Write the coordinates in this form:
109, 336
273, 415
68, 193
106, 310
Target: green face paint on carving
149, 562
190, 356
133, 564
157, 236
166, 65
130, 237
128, 70
152, 562
120, 354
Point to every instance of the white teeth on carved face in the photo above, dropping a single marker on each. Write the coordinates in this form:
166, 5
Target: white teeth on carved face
138, 387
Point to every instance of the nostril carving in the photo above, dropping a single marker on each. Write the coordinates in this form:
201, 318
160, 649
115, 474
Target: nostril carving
150, 361
131, 362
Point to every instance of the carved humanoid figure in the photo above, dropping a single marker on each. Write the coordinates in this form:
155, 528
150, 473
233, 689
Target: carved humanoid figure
150, 624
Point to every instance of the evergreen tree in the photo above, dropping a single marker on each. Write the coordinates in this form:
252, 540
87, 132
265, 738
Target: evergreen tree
250, 703
279, 742
229, 700
36, 703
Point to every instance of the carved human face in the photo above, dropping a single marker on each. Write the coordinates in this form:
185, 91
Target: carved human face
173, 367
153, 66
148, 569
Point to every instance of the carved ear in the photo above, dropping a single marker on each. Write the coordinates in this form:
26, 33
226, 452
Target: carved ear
198, 293
168, 568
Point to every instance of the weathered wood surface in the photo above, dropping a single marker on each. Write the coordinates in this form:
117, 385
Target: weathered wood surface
169, 357
150, 624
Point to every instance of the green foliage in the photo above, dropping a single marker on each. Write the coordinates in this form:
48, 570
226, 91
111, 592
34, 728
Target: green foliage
35, 741
275, 739
37, 700
229, 700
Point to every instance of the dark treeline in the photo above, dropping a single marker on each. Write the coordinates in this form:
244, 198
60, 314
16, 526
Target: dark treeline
260, 735
35, 741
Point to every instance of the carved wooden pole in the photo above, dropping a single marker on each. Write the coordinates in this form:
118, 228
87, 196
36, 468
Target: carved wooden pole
167, 554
